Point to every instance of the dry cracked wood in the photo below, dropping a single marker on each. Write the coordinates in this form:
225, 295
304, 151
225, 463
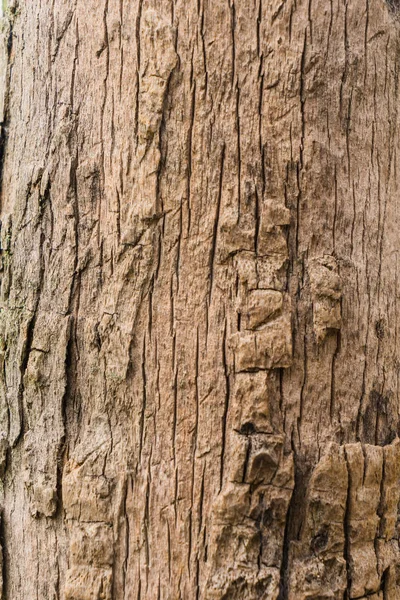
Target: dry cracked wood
199, 340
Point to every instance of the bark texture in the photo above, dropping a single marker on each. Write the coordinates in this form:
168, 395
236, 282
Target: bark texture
199, 325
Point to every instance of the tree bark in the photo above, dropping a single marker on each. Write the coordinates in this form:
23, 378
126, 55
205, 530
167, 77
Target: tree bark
199, 325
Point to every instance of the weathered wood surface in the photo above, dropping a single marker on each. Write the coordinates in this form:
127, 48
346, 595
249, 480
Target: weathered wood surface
199, 332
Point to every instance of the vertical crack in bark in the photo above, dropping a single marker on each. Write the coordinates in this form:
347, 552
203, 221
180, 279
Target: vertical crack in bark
194, 454
103, 109
302, 139
233, 44
146, 519
4, 587
284, 574
68, 408
333, 382
138, 69
6, 109
226, 405
239, 150
346, 529
216, 224
203, 44
142, 430
190, 146
69, 394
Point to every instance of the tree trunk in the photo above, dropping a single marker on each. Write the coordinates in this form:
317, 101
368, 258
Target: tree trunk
199, 325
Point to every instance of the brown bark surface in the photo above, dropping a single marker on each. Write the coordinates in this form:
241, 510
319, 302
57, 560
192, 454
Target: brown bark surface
199, 324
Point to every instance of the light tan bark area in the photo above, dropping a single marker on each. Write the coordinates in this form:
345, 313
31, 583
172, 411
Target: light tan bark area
199, 330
